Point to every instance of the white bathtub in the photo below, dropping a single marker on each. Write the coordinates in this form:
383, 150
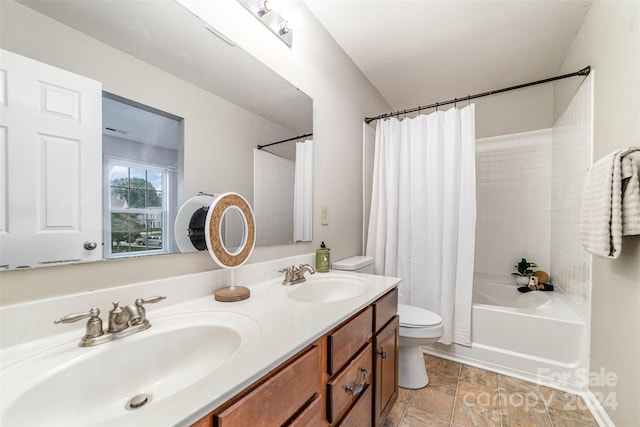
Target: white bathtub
534, 335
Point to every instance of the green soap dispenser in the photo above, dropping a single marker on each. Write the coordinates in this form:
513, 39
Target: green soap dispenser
323, 259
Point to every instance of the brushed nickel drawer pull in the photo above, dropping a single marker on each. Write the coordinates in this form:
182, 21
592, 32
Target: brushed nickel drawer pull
383, 353
358, 387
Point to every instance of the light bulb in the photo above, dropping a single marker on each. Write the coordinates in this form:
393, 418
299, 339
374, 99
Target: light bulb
292, 21
274, 5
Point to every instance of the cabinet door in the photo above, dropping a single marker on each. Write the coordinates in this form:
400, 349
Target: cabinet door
386, 375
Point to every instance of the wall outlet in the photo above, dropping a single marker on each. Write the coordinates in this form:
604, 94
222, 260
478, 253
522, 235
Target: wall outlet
324, 215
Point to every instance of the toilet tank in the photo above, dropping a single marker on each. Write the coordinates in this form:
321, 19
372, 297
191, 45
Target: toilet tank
359, 264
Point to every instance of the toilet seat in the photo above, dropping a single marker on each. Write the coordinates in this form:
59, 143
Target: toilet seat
418, 323
416, 317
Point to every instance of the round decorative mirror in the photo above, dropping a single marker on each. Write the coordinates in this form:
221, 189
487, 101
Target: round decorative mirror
225, 226
231, 230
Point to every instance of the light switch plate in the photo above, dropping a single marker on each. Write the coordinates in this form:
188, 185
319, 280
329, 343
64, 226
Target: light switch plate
324, 215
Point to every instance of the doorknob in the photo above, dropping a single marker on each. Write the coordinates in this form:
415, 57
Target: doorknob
90, 245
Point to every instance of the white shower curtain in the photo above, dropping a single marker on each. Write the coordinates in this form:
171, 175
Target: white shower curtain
303, 192
423, 213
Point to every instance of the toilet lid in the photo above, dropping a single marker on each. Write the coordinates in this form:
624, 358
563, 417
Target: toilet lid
411, 316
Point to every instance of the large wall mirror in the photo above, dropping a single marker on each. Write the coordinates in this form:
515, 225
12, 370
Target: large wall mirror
181, 110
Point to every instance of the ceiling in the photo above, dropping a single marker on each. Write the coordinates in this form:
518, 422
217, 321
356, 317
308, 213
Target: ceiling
420, 52
168, 36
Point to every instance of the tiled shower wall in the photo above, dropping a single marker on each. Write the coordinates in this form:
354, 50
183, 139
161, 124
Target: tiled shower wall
273, 198
571, 156
513, 180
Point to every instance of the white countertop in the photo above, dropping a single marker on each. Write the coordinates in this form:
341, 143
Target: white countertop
283, 326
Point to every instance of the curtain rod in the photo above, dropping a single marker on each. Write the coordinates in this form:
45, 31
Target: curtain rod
260, 147
584, 72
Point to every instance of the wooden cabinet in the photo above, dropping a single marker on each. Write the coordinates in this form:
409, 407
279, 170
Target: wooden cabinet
346, 340
291, 390
310, 416
361, 411
386, 346
347, 386
348, 377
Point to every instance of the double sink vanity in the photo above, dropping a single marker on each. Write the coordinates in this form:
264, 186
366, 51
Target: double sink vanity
321, 352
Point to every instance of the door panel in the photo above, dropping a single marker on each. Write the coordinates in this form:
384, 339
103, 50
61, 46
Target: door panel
53, 135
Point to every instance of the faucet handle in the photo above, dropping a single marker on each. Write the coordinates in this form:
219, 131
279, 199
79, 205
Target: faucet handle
74, 317
141, 310
156, 298
94, 324
288, 271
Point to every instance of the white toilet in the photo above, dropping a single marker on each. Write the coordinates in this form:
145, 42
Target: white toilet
418, 327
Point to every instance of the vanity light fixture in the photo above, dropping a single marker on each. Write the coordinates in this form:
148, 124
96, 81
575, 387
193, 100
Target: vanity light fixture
268, 12
266, 6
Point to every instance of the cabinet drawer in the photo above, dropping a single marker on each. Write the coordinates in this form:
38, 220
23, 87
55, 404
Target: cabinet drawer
360, 414
385, 308
311, 416
339, 398
344, 342
278, 398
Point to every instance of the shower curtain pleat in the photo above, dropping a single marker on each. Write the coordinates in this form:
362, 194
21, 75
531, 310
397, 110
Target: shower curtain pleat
303, 192
423, 210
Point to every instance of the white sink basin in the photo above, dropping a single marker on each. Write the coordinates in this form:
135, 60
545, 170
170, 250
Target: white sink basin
333, 288
68, 385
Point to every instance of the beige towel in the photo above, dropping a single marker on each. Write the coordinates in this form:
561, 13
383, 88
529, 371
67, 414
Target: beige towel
603, 204
631, 192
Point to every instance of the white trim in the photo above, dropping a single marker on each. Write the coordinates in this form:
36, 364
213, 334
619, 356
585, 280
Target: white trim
515, 373
598, 412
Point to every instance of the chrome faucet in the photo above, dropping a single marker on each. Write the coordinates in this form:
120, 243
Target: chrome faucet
293, 275
123, 321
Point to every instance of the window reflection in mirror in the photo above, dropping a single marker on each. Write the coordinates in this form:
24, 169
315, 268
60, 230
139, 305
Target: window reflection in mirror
140, 152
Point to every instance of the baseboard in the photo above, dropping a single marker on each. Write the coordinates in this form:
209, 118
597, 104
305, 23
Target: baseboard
499, 369
598, 412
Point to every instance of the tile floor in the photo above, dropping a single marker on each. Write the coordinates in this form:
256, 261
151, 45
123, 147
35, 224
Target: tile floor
463, 396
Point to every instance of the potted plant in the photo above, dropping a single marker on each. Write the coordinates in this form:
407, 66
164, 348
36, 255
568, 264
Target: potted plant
524, 271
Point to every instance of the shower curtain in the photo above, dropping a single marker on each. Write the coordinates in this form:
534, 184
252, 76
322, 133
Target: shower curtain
303, 192
423, 213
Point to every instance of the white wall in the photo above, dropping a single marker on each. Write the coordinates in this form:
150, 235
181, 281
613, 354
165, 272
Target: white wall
522, 110
315, 64
513, 183
609, 41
